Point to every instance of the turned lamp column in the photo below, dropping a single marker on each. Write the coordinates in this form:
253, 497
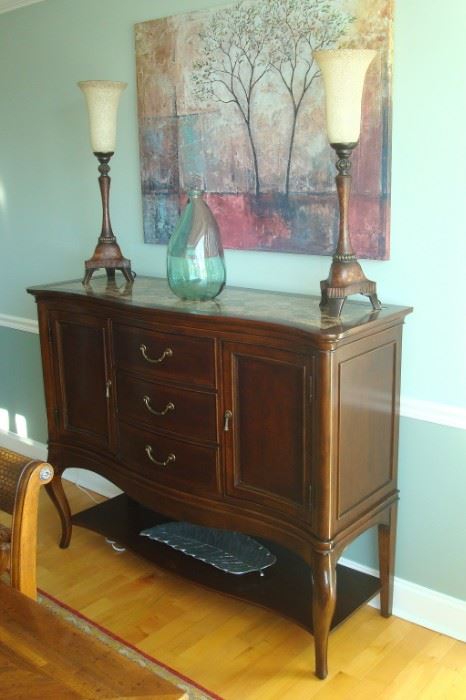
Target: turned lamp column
102, 98
343, 71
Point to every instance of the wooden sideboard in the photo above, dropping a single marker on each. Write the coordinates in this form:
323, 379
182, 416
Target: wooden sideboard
253, 412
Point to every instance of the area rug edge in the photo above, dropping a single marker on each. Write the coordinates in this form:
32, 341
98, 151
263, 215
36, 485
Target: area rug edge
175, 675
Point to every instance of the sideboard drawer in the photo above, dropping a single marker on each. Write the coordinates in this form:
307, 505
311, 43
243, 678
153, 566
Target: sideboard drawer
169, 356
169, 461
189, 413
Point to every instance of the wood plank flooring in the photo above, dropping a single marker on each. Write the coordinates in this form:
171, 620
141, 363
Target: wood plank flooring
236, 650
43, 657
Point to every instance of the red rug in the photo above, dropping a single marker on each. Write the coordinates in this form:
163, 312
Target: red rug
193, 690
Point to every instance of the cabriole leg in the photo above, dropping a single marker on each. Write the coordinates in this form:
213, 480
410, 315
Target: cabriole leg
324, 596
60, 501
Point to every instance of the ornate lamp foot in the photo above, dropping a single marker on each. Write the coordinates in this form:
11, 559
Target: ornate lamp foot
333, 298
95, 263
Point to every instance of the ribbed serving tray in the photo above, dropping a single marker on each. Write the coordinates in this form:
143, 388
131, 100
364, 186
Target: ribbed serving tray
231, 552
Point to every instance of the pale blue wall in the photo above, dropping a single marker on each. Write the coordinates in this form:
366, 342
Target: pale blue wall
431, 521
21, 385
50, 214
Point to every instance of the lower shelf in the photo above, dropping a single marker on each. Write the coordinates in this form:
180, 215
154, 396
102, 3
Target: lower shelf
285, 587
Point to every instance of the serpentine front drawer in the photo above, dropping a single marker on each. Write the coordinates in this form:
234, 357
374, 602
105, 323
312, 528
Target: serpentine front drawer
188, 413
168, 461
175, 357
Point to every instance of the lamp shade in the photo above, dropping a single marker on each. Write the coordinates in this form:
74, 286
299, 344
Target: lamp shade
102, 98
343, 71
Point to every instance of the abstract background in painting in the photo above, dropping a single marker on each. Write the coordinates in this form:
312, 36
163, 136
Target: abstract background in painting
231, 100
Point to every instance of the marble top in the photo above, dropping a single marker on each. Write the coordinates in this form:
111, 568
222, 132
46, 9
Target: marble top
294, 310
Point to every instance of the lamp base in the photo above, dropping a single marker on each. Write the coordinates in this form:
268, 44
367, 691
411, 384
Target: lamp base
108, 256
345, 279
346, 276
107, 253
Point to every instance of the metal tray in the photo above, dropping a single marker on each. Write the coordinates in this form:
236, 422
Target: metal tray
228, 551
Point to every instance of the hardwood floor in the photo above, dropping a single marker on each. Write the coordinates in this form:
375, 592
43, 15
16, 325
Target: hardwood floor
236, 650
43, 657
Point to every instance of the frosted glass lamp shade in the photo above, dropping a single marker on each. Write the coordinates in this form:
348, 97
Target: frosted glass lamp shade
344, 71
102, 98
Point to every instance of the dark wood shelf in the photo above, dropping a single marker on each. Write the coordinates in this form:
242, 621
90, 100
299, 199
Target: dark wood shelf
285, 587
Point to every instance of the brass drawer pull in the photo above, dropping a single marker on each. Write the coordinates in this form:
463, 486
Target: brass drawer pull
226, 420
169, 407
171, 457
168, 352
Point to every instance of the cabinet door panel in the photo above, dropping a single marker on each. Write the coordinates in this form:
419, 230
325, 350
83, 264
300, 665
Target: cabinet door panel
367, 399
82, 375
266, 451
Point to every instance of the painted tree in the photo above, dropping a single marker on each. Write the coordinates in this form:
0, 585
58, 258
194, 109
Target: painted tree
234, 60
297, 28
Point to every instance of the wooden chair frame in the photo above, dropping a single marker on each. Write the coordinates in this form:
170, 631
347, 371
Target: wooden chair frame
20, 481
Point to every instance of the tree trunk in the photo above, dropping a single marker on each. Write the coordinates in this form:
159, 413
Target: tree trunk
254, 158
290, 151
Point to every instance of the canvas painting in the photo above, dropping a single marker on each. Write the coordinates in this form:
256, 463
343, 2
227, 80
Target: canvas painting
231, 101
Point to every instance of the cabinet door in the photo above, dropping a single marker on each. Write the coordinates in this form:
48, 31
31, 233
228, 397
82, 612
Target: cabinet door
267, 441
82, 377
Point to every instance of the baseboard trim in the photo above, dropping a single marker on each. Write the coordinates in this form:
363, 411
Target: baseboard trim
25, 446
423, 606
92, 481
80, 477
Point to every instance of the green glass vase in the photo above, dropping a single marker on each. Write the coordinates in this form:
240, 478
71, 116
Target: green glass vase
195, 261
